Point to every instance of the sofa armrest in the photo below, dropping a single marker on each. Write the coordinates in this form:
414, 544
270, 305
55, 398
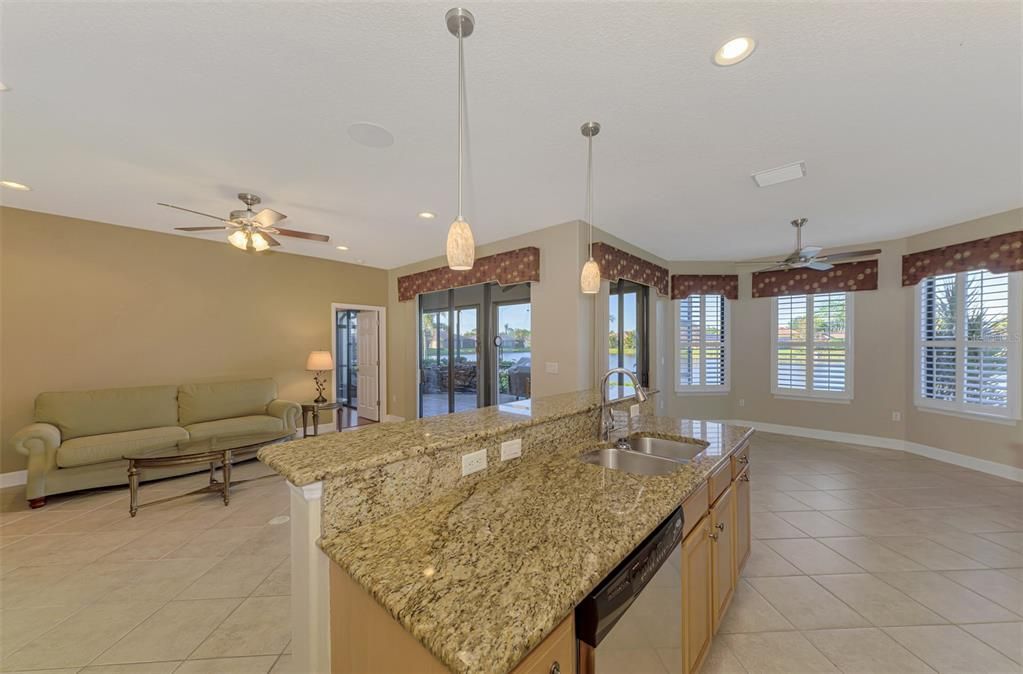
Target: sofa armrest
37, 439
285, 410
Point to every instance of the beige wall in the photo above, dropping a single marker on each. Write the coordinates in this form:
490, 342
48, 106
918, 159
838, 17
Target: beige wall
562, 318
90, 305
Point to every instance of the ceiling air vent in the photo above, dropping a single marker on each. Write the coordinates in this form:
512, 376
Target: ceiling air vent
780, 174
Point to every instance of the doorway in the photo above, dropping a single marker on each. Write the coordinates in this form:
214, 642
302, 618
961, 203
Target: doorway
359, 369
628, 344
473, 347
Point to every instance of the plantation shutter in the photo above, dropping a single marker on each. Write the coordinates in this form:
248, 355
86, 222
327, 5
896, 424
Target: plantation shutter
812, 345
702, 343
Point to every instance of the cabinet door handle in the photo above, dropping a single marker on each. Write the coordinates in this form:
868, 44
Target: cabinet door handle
713, 537
556, 668
720, 526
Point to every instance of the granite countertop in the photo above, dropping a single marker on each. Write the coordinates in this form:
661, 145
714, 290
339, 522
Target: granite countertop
313, 459
482, 574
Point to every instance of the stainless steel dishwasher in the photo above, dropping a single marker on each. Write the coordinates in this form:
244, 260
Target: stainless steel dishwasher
632, 621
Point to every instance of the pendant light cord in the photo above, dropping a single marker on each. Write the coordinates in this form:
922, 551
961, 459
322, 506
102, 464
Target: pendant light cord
461, 84
589, 190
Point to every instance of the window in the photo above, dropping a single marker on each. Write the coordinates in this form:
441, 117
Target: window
812, 353
968, 343
702, 352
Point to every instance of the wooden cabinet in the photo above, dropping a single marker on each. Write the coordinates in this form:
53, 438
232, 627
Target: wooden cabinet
697, 610
722, 552
555, 655
742, 519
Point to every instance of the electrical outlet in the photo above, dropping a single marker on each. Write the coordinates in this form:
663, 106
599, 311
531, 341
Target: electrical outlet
634, 410
742, 402
511, 449
474, 462
551, 368
896, 416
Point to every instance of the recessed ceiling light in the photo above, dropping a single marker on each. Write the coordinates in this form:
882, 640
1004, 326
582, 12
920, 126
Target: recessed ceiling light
15, 186
370, 135
735, 50
427, 215
342, 247
4, 87
780, 174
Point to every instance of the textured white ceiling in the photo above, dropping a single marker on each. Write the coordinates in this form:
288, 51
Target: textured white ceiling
908, 116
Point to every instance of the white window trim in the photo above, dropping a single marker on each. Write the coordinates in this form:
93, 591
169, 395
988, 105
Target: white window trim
1012, 412
681, 390
845, 396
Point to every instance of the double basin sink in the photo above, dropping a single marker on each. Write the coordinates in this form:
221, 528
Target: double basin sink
645, 455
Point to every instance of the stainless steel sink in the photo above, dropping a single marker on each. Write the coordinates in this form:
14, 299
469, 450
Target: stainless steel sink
629, 461
680, 452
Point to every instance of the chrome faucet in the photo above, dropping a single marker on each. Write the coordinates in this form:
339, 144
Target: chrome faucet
608, 422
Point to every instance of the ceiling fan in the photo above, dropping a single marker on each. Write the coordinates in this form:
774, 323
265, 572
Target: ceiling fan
810, 256
250, 231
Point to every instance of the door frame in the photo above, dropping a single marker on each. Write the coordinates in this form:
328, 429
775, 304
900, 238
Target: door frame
381, 348
494, 360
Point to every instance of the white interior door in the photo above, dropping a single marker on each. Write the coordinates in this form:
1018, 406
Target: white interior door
368, 336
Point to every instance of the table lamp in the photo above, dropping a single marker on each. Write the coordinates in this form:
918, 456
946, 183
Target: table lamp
319, 362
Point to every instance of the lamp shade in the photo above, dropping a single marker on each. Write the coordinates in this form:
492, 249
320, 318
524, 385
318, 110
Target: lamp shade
319, 361
461, 247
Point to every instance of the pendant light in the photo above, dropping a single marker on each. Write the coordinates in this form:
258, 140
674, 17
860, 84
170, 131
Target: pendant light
461, 247
589, 280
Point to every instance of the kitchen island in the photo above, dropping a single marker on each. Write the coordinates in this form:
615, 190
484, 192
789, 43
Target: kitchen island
480, 570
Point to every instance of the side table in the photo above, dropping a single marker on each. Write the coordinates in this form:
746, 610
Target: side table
314, 409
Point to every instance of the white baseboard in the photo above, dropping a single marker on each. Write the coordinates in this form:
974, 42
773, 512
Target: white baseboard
393, 417
943, 455
15, 478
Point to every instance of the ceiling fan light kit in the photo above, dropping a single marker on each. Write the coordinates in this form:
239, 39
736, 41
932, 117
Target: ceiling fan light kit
589, 279
461, 246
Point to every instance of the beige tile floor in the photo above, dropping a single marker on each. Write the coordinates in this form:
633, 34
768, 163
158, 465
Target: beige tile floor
188, 586
863, 561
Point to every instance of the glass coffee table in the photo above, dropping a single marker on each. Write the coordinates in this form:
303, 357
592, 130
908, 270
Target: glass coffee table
213, 451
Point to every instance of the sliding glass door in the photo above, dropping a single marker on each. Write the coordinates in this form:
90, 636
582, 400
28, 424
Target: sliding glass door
473, 351
627, 341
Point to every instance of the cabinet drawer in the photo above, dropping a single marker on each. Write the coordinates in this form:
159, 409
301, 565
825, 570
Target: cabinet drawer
694, 508
719, 480
740, 460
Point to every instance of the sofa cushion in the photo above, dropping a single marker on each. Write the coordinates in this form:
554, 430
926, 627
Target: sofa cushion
82, 413
224, 400
256, 423
113, 446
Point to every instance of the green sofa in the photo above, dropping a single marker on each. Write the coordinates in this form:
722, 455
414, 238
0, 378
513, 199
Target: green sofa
79, 437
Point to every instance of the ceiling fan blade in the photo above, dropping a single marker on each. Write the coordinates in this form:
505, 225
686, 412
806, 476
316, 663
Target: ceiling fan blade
270, 240
302, 235
817, 265
268, 217
781, 266
189, 210
834, 257
810, 251
200, 229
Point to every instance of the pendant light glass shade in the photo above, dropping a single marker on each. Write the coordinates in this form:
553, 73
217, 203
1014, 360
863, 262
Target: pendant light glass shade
461, 248
590, 278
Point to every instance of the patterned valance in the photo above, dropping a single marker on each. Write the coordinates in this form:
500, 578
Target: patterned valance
1000, 254
847, 276
514, 266
617, 264
684, 285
